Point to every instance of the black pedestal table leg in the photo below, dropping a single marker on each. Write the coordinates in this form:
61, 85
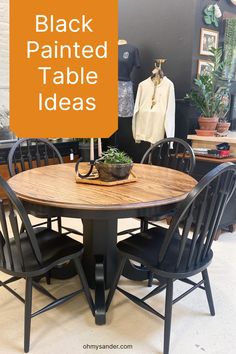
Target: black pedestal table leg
100, 260
135, 272
100, 317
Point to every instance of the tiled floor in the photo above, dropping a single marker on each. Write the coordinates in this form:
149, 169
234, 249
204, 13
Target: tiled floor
70, 329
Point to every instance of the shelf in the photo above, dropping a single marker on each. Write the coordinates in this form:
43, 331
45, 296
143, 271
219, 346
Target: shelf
212, 159
231, 138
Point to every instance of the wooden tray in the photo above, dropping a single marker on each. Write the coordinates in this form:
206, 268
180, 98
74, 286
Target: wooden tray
96, 181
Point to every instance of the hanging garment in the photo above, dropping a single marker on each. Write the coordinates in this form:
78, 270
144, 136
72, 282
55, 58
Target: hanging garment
128, 59
126, 99
154, 111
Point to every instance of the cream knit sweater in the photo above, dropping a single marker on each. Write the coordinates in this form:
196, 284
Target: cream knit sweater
151, 124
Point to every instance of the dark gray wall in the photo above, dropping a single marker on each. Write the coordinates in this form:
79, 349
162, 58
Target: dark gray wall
168, 29
225, 5
161, 29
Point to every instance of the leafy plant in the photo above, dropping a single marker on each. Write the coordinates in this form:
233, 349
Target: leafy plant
114, 156
210, 88
230, 48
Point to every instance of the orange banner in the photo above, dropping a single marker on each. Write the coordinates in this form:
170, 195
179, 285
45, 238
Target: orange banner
63, 68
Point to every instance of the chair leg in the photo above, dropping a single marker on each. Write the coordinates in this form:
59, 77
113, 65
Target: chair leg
84, 282
59, 224
144, 225
48, 277
28, 308
168, 315
22, 228
150, 278
144, 228
208, 292
49, 223
115, 282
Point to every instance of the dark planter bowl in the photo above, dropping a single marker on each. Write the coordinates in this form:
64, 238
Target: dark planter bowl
113, 172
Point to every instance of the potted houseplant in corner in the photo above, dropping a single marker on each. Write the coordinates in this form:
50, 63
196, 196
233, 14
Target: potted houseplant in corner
207, 96
113, 165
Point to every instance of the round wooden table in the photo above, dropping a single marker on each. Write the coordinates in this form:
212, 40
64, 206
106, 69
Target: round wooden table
52, 191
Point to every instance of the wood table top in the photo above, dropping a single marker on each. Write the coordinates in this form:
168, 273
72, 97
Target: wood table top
55, 186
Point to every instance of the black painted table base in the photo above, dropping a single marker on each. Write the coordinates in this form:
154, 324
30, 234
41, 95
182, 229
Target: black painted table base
100, 259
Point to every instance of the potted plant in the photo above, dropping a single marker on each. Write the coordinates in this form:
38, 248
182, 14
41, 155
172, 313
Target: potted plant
113, 165
207, 96
223, 125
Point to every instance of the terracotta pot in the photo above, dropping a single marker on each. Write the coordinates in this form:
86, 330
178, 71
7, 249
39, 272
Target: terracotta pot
208, 123
113, 172
223, 128
205, 132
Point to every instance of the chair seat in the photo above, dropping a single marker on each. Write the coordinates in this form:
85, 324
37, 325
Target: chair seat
53, 246
145, 247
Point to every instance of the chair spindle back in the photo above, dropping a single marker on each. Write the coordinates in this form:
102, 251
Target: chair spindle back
9, 254
197, 218
172, 153
30, 153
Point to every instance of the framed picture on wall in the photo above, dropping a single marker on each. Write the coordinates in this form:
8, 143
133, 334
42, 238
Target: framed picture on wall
209, 39
204, 67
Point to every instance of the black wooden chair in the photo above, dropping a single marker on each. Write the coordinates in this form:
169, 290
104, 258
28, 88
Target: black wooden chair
29, 153
171, 153
33, 253
184, 249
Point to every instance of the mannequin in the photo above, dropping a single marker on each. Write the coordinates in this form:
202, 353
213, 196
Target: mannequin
128, 59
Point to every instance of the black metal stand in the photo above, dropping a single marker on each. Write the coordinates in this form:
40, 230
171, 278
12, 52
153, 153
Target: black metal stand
90, 168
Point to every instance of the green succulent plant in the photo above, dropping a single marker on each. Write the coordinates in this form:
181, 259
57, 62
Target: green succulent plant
114, 156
